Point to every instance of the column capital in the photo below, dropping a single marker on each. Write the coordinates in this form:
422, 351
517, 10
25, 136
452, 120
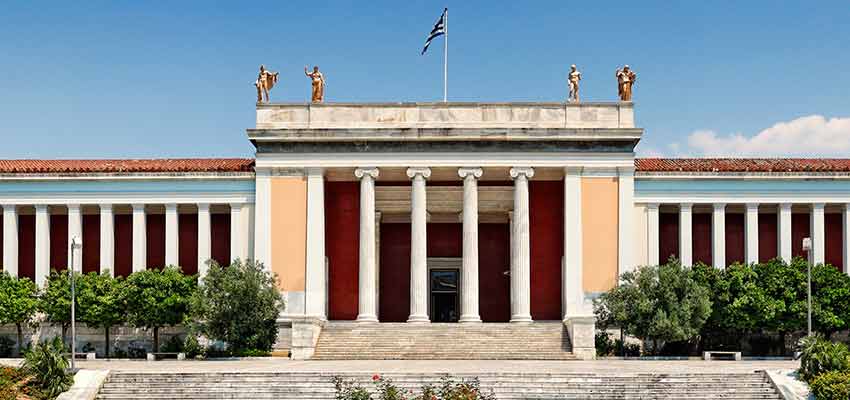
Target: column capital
39, 207
573, 171
75, 207
528, 172
626, 171
314, 171
363, 171
138, 207
687, 207
203, 206
236, 206
719, 206
474, 172
752, 206
818, 206
105, 207
652, 206
413, 172
171, 207
847, 208
785, 206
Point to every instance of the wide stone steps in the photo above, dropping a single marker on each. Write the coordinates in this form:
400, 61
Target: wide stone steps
285, 386
401, 341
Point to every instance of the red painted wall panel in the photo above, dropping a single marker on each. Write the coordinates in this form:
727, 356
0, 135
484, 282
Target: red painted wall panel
123, 244
701, 238
668, 236
91, 243
394, 298
220, 229
444, 240
734, 238
59, 242
546, 218
768, 237
155, 234
799, 230
26, 246
494, 287
833, 252
342, 247
187, 250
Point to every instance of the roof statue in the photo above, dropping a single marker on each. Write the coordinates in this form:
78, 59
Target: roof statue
625, 80
264, 83
572, 80
318, 94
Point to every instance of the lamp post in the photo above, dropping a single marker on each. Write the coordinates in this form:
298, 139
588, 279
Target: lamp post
807, 247
76, 243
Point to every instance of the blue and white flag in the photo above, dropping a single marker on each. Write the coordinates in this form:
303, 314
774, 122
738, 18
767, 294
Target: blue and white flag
439, 29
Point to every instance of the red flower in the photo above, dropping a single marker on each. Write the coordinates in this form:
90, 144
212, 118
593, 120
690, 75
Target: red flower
376, 377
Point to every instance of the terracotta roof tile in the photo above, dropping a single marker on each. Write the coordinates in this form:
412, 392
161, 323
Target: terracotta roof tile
814, 165
127, 166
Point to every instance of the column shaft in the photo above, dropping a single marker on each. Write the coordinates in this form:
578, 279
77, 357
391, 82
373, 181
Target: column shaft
572, 280
140, 262
845, 218
10, 239
751, 233
367, 307
237, 238
784, 231
652, 234
521, 265
107, 239
204, 238
818, 234
172, 236
42, 244
316, 271
75, 230
718, 236
685, 234
469, 268
626, 190
418, 246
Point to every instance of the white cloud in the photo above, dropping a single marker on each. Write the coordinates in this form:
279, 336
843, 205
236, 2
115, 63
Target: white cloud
810, 136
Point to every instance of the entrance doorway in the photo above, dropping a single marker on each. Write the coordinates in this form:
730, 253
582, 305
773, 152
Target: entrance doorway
443, 285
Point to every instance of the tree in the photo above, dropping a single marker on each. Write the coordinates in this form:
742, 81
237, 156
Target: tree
56, 300
657, 303
157, 298
239, 304
101, 302
830, 300
18, 303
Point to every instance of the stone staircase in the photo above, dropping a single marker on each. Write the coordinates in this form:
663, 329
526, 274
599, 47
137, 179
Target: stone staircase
505, 386
444, 341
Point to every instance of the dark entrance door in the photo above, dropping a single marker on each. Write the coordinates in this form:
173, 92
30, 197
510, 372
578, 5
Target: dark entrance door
444, 295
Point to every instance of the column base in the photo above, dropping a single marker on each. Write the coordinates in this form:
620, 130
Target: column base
366, 318
521, 319
469, 319
418, 319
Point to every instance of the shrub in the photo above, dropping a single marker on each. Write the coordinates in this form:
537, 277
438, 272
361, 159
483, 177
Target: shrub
47, 363
101, 303
56, 300
18, 303
157, 298
831, 386
820, 356
448, 389
239, 305
192, 348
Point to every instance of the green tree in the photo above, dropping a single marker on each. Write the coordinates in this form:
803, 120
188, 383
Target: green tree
101, 302
238, 304
657, 303
56, 300
830, 300
18, 303
157, 298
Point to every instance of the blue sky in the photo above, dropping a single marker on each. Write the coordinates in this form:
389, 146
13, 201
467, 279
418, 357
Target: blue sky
163, 79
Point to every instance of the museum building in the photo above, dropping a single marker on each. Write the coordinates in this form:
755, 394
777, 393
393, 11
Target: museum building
513, 214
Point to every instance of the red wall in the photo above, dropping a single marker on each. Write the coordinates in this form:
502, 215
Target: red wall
834, 253
701, 238
394, 299
187, 251
26, 246
123, 244
768, 237
494, 287
91, 243
799, 230
668, 236
735, 238
155, 234
546, 217
342, 247
220, 230
59, 242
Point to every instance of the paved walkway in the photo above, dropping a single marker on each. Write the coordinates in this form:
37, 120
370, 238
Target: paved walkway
437, 366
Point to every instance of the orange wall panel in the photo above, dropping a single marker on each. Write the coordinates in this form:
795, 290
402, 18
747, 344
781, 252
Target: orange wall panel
289, 231
600, 224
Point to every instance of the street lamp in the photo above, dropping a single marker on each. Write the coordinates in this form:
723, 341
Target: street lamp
807, 247
76, 243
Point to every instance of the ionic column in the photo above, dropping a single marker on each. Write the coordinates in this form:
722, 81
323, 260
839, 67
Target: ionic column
237, 238
107, 239
686, 255
845, 218
172, 237
10, 239
418, 246
469, 268
572, 274
367, 307
784, 231
626, 190
751, 233
652, 235
204, 238
315, 275
139, 238
75, 229
718, 236
818, 234
521, 265
42, 244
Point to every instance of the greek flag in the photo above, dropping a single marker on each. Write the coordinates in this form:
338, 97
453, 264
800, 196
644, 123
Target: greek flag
439, 29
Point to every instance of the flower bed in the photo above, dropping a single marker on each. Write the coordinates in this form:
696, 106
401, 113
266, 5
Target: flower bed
15, 384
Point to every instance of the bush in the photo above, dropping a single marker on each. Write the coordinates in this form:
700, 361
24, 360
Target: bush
47, 363
238, 304
820, 356
18, 303
831, 386
101, 303
448, 389
157, 298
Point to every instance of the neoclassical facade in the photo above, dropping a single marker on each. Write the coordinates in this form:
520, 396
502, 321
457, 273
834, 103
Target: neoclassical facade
427, 212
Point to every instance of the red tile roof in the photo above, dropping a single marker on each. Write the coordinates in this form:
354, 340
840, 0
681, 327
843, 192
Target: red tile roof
814, 165
127, 166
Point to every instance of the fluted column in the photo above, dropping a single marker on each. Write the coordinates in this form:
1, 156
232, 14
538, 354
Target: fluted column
10, 239
784, 231
107, 239
652, 234
315, 277
686, 254
751, 233
418, 246
469, 268
75, 230
718, 236
42, 244
172, 237
845, 218
818, 233
367, 306
237, 239
139, 238
204, 238
521, 265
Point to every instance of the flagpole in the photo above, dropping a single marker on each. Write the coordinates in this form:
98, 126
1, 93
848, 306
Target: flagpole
446, 57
